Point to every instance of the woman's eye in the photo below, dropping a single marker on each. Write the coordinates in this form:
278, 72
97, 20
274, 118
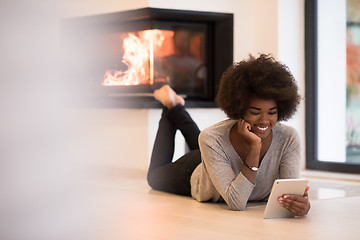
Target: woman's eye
254, 113
272, 113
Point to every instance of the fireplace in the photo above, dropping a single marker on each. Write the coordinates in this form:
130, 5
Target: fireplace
118, 59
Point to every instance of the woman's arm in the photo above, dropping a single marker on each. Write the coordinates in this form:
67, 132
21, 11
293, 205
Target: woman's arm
254, 144
234, 189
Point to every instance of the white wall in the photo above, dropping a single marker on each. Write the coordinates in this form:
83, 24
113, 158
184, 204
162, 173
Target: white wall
111, 137
291, 52
78, 8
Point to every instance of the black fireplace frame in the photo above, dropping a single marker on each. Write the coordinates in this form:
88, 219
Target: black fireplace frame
219, 49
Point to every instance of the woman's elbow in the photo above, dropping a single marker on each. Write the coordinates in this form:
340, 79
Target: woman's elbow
237, 207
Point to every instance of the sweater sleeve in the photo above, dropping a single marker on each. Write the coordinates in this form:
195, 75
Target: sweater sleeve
234, 189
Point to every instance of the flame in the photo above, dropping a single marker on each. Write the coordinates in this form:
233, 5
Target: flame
138, 56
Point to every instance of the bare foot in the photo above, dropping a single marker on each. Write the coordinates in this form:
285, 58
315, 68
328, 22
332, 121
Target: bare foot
168, 97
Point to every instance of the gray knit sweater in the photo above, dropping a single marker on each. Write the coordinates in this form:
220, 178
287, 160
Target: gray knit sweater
219, 173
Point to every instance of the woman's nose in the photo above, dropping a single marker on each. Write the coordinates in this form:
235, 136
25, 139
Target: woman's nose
263, 120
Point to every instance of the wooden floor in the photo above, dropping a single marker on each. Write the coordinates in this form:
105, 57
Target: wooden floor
131, 210
117, 204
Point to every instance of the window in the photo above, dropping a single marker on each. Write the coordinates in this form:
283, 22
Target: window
332, 55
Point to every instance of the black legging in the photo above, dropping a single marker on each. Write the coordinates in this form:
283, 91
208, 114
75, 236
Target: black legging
163, 174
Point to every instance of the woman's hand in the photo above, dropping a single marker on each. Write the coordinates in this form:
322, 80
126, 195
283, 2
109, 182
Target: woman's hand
298, 205
244, 129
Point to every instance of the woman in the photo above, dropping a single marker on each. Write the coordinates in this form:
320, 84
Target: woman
236, 160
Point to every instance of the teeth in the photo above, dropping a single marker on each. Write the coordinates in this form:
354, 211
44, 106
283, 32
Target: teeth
263, 128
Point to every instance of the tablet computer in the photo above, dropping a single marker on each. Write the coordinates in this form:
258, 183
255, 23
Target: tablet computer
280, 187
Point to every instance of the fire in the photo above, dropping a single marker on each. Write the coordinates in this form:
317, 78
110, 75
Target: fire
139, 53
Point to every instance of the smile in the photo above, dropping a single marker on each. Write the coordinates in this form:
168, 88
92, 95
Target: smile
263, 128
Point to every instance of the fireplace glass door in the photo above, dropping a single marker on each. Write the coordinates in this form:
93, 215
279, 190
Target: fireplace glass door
145, 59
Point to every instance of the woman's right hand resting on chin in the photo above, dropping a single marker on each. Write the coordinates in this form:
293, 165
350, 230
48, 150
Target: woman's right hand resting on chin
244, 129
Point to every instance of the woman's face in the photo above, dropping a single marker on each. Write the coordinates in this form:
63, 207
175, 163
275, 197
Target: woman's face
262, 115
